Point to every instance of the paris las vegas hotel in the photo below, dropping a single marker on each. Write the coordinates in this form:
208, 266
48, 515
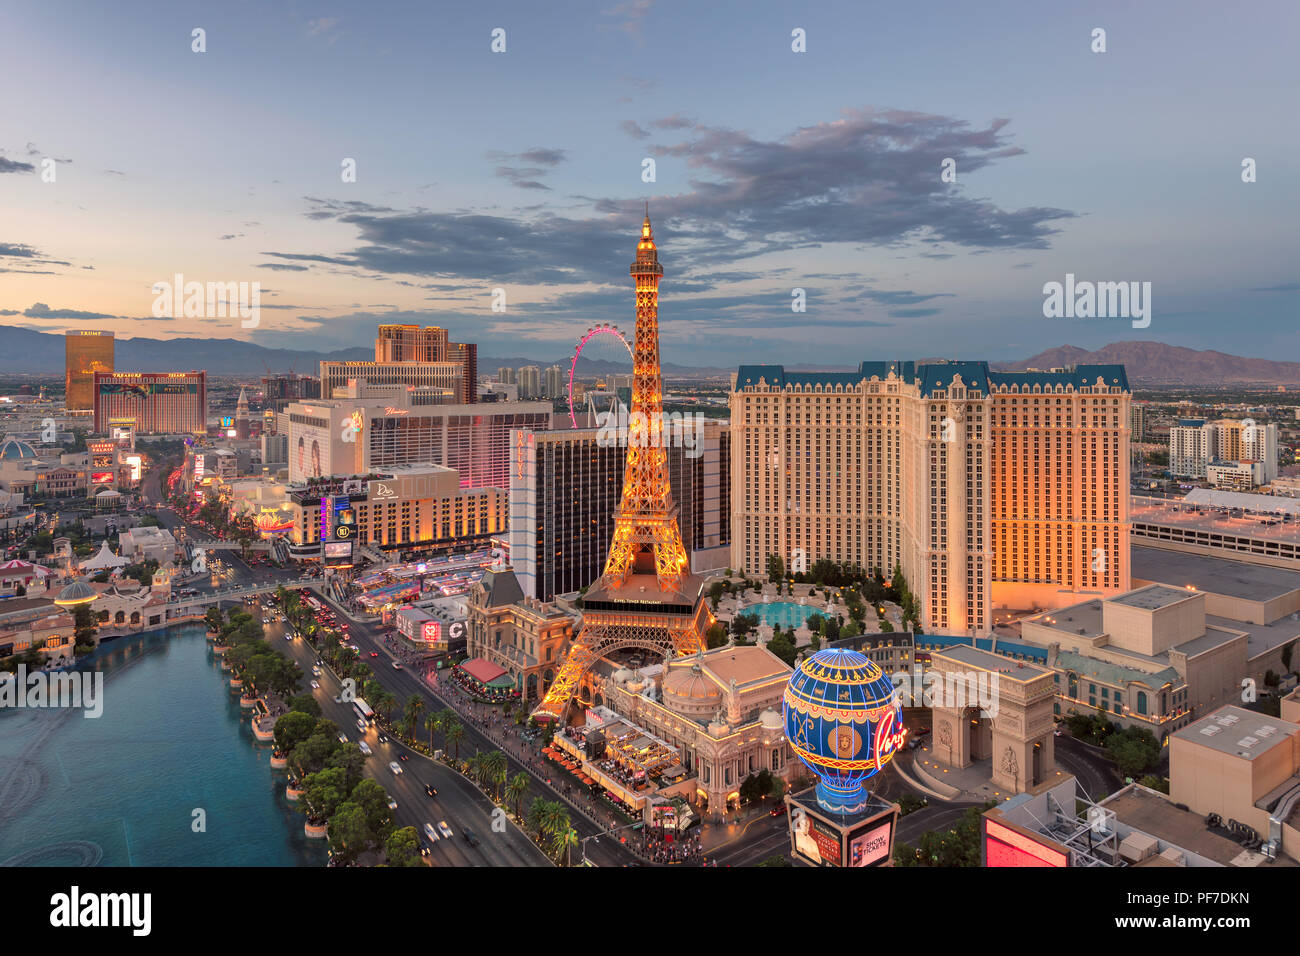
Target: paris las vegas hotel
989, 489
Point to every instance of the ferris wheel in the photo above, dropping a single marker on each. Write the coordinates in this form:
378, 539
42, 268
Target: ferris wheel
595, 330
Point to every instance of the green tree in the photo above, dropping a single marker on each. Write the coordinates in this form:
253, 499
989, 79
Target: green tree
716, 636
495, 768
291, 729
959, 846
403, 848
454, 732
775, 567
349, 833
84, 627
411, 718
516, 789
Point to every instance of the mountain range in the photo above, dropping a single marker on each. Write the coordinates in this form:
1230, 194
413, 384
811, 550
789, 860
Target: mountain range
1149, 364
1154, 364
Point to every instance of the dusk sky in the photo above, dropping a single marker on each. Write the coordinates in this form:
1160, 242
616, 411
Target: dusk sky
774, 170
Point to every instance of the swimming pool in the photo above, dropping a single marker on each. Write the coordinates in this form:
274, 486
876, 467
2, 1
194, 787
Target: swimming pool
785, 613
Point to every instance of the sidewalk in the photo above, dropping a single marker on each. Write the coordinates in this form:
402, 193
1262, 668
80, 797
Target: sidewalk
529, 756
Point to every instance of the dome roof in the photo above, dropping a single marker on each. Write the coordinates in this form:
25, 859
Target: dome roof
691, 684
689, 693
13, 450
78, 592
769, 719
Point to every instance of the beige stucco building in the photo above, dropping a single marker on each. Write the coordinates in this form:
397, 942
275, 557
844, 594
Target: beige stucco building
720, 709
525, 636
1159, 656
986, 488
1245, 767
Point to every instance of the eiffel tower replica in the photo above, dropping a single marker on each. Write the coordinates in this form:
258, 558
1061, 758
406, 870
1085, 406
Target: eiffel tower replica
647, 597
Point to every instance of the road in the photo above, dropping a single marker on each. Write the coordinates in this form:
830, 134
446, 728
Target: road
458, 802
403, 683
1097, 775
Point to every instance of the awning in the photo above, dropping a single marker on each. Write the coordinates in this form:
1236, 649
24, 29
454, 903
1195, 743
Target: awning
483, 671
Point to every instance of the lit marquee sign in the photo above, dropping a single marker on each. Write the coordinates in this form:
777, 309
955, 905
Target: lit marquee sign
890, 735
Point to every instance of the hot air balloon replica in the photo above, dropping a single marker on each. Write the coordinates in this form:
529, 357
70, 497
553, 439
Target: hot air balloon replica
844, 721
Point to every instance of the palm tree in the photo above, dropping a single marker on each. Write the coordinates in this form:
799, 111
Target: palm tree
431, 723
515, 790
414, 704
563, 842
475, 767
455, 733
555, 819
495, 767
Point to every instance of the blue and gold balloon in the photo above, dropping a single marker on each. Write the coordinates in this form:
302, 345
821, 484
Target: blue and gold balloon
844, 720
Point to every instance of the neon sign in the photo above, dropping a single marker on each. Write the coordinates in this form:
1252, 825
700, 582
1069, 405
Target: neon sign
889, 738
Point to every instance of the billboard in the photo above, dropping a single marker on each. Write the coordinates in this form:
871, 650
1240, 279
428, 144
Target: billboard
1007, 846
101, 477
869, 845
816, 839
337, 554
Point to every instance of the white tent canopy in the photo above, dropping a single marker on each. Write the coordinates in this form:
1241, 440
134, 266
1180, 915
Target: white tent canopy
104, 560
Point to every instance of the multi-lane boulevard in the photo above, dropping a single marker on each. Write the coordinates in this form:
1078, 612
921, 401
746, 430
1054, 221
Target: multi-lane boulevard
458, 802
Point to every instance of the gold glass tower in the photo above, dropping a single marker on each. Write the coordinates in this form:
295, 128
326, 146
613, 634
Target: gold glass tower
85, 353
647, 596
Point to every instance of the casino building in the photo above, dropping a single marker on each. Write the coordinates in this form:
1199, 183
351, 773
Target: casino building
85, 353
159, 403
987, 488
388, 427
405, 508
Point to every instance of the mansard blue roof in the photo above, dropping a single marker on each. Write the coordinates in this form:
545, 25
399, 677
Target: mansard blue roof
1077, 377
934, 376
777, 377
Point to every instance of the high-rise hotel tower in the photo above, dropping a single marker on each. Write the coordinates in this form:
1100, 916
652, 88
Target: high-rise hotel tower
989, 489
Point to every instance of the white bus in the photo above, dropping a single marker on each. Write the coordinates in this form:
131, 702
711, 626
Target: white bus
363, 710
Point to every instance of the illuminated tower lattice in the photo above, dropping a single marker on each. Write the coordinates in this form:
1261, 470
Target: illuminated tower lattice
647, 596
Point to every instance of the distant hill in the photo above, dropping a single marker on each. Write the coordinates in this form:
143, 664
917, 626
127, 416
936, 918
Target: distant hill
1149, 364
23, 350
1155, 363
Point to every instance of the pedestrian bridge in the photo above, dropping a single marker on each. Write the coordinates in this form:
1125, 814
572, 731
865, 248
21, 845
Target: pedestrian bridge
239, 593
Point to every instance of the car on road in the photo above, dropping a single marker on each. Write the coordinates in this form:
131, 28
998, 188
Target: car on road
365, 748
403, 757
424, 848
431, 791
392, 804
374, 653
444, 829
431, 832
361, 725
1058, 732
394, 766
338, 698
383, 738
397, 665
778, 810
343, 738
469, 836
315, 685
